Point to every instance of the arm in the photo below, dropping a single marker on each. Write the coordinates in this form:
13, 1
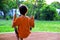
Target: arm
14, 17
32, 21
14, 20
14, 25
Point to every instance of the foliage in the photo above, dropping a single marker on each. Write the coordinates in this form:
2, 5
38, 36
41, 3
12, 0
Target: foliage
7, 5
39, 5
48, 13
55, 4
38, 8
1, 17
7, 17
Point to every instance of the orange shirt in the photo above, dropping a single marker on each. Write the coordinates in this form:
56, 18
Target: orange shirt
24, 23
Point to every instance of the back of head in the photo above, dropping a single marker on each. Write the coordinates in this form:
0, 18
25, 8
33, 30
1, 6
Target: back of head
23, 9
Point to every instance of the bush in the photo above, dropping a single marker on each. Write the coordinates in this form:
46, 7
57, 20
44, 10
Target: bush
7, 17
57, 18
1, 17
48, 13
37, 14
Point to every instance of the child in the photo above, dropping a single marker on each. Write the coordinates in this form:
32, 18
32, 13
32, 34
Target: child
24, 23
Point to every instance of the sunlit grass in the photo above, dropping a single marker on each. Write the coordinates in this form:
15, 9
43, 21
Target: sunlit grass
47, 26
6, 26
40, 26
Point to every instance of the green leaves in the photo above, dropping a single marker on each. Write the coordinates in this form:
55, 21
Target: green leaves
6, 5
48, 13
55, 4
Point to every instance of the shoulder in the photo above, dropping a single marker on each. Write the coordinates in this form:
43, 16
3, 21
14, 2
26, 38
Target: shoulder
31, 18
28, 17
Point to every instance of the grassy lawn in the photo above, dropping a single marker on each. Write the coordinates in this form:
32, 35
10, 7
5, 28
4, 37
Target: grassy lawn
47, 26
6, 26
40, 26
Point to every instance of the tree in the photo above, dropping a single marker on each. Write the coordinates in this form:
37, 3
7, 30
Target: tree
55, 4
39, 5
48, 13
6, 5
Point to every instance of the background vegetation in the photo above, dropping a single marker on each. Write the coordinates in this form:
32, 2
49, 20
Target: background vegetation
38, 8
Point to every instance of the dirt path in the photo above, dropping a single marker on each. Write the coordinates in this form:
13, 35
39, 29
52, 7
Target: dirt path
32, 36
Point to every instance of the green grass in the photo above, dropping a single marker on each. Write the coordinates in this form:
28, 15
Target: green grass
40, 26
47, 26
6, 26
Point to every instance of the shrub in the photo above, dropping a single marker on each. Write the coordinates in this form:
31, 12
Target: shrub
48, 13
7, 17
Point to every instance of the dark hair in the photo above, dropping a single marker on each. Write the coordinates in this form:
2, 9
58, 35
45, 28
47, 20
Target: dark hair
23, 9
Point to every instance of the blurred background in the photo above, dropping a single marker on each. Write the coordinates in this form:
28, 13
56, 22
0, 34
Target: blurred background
45, 12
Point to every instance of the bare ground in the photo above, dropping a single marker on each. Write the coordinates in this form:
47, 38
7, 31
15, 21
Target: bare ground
32, 36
